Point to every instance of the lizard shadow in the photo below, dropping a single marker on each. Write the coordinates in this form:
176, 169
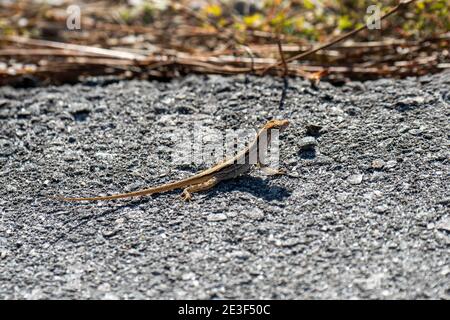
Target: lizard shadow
256, 186
81, 221
249, 184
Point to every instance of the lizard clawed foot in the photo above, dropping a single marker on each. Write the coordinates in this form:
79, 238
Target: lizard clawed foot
273, 172
186, 196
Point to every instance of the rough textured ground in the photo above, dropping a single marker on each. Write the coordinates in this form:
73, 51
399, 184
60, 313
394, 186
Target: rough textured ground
363, 214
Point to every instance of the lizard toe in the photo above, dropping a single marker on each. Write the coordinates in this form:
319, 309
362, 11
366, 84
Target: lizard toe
186, 196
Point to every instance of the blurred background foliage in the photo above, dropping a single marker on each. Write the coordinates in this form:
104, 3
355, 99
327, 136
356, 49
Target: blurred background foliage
306, 19
209, 31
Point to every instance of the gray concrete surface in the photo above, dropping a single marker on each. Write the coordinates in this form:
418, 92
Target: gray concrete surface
363, 214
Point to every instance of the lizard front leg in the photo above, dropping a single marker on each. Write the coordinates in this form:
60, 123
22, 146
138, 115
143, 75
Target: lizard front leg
269, 170
187, 192
272, 171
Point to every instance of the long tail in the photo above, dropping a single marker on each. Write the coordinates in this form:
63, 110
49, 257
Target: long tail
163, 188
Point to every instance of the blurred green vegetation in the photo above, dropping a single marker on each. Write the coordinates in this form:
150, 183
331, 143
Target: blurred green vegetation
306, 19
317, 19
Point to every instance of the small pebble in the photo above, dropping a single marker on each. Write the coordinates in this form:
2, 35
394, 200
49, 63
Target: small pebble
342, 197
255, 214
390, 164
416, 100
232, 214
293, 174
110, 233
110, 296
104, 287
378, 164
217, 217
243, 255
307, 143
444, 201
444, 224
188, 276
381, 209
3, 254
355, 179
10, 188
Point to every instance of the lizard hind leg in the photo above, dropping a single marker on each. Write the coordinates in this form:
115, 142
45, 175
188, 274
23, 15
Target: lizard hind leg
272, 171
187, 192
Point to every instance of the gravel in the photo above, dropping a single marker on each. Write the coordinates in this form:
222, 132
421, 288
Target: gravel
362, 213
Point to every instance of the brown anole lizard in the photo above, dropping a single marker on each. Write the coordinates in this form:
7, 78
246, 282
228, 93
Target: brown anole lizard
208, 178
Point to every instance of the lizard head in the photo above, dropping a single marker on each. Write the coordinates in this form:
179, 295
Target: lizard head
276, 124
